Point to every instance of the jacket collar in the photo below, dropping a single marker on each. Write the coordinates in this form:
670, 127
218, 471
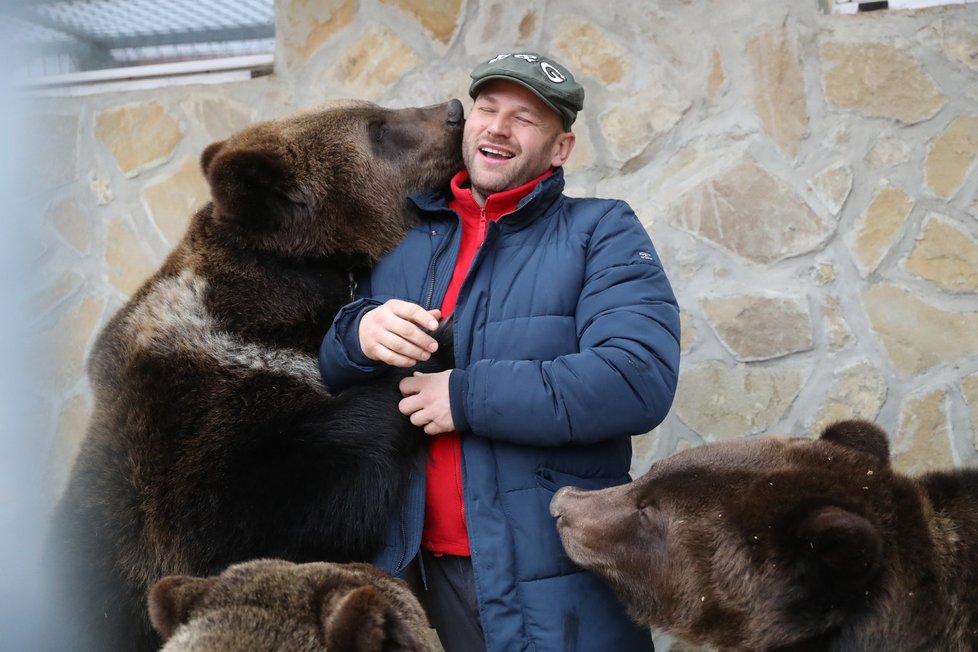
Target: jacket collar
544, 194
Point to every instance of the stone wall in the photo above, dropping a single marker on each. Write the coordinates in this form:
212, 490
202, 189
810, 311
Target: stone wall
809, 182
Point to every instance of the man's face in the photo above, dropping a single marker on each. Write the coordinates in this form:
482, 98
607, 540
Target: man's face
511, 137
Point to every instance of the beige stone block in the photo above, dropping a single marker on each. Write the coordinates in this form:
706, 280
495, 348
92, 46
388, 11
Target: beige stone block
172, 201
779, 90
755, 327
839, 335
832, 186
138, 135
879, 228
500, 24
589, 50
60, 289
922, 441
945, 255
917, 335
643, 446
951, 155
527, 26
857, 392
582, 156
723, 402
305, 25
969, 388
630, 128
752, 214
717, 76
72, 224
71, 429
65, 344
439, 17
687, 332
962, 46
127, 263
880, 80
219, 116
887, 153
375, 61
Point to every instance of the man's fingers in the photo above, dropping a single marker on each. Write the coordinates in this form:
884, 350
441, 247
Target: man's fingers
405, 320
398, 345
409, 386
414, 313
387, 337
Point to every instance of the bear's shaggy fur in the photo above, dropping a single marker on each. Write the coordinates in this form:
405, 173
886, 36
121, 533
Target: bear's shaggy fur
273, 605
788, 544
213, 440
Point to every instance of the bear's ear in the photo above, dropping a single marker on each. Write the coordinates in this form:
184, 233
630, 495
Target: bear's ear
363, 621
249, 184
860, 435
208, 155
171, 600
846, 545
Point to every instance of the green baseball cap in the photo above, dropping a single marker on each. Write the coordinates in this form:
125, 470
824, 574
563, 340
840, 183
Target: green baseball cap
548, 80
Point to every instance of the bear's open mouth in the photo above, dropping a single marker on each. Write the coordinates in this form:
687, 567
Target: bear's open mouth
492, 152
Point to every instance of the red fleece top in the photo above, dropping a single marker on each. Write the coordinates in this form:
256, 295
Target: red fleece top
444, 513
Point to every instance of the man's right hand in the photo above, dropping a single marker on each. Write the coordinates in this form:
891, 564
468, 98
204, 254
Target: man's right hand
395, 333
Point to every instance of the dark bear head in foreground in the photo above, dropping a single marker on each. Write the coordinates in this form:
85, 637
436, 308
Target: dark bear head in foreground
332, 180
272, 605
787, 543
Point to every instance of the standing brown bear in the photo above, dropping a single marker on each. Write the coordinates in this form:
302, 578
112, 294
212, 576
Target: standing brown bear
213, 440
788, 544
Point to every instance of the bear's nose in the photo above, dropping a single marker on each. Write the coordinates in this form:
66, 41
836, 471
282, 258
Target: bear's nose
456, 113
558, 504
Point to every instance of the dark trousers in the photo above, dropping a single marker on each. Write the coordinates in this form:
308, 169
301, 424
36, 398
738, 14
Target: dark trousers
450, 601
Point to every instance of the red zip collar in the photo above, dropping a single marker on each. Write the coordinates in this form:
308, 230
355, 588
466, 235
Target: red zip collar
497, 204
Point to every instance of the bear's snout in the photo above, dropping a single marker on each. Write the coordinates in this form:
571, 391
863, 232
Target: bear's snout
456, 114
560, 504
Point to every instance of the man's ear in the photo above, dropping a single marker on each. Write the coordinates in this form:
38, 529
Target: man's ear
172, 599
562, 148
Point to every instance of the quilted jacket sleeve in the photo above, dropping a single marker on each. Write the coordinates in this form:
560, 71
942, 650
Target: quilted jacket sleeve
623, 378
341, 362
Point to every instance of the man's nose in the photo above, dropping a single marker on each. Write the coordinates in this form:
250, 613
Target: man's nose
499, 126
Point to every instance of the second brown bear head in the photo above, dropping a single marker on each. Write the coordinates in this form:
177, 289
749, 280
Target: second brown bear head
268, 605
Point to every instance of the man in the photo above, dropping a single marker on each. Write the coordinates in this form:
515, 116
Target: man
566, 343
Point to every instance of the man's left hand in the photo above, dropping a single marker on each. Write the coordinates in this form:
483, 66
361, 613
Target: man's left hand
426, 401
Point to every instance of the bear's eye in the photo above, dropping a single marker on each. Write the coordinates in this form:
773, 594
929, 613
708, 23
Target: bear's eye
377, 131
651, 518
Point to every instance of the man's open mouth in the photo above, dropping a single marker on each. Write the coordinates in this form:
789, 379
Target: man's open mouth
492, 152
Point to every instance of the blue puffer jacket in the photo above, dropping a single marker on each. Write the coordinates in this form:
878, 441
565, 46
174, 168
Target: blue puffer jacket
566, 343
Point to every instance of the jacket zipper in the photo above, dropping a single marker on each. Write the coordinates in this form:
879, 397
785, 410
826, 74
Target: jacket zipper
429, 297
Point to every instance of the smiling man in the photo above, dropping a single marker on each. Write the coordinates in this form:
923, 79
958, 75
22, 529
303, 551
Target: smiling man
566, 343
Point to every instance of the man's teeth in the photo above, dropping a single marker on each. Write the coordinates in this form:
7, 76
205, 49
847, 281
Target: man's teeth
496, 152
